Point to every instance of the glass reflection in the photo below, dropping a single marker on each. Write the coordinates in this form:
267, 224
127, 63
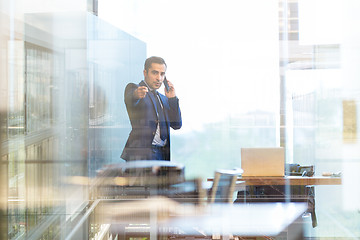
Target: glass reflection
62, 117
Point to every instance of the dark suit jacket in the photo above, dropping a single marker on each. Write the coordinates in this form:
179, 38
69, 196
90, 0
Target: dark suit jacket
143, 119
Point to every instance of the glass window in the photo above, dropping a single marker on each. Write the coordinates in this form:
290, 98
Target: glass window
260, 73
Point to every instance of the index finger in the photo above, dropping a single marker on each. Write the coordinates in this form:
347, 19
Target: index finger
143, 88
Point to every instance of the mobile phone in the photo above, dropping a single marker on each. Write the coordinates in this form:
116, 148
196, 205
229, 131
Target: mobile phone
166, 84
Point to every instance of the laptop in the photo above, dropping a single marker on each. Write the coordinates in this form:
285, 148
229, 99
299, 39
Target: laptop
263, 162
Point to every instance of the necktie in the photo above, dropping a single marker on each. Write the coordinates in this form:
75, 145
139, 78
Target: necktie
161, 116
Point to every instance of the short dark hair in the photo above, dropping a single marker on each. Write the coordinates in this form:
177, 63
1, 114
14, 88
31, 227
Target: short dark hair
152, 60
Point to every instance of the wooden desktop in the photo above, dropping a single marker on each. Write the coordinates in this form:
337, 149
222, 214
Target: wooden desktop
289, 180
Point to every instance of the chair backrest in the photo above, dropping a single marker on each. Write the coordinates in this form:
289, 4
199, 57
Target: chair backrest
223, 186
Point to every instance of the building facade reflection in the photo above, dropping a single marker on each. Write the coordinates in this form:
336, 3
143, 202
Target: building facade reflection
59, 105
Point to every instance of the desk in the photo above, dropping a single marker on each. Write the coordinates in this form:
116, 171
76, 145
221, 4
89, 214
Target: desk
250, 220
167, 218
272, 189
289, 180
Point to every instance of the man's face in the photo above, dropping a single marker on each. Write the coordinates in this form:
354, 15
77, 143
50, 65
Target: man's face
155, 75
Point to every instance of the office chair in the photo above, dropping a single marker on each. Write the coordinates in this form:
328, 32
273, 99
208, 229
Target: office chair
223, 186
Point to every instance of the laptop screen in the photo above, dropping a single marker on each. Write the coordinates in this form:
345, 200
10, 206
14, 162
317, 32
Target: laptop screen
267, 162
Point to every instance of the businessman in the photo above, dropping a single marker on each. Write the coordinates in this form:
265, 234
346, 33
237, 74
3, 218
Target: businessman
151, 114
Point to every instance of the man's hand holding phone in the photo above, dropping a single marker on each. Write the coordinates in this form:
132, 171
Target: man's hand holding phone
169, 89
166, 84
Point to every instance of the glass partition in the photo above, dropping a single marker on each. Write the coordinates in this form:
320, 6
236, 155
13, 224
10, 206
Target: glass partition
264, 73
62, 73
223, 61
